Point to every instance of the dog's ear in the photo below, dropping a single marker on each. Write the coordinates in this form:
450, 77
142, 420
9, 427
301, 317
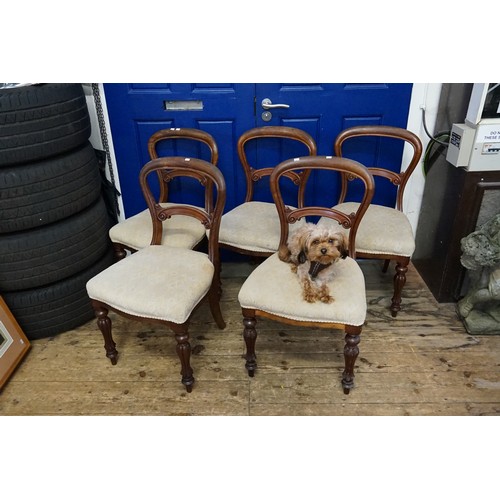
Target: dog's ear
297, 245
304, 247
343, 246
304, 244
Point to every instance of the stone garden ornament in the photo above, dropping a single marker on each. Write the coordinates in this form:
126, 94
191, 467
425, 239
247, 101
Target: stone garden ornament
480, 308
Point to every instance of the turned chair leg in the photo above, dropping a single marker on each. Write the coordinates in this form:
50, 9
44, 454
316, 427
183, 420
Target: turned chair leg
351, 352
104, 324
214, 301
250, 336
183, 349
399, 283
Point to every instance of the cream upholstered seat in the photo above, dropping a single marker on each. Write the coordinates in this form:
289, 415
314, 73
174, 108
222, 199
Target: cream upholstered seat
282, 294
253, 227
160, 282
396, 238
273, 290
135, 232
384, 233
169, 295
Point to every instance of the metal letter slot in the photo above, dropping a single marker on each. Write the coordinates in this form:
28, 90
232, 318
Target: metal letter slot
183, 105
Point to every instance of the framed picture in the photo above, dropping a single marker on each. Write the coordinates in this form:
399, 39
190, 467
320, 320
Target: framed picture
13, 343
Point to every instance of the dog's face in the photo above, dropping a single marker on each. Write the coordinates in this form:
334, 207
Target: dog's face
310, 251
318, 244
325, 246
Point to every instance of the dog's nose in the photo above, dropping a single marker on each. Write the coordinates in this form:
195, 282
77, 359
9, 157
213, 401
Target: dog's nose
323, 251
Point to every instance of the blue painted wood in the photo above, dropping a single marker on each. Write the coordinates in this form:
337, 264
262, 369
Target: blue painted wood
324, 109
138, 110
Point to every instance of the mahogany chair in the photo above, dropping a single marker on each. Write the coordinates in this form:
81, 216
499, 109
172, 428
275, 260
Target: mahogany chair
183, 232
253, 227
385, 233
160, 282
273, 291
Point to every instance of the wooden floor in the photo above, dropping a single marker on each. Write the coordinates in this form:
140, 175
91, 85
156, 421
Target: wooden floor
421, 363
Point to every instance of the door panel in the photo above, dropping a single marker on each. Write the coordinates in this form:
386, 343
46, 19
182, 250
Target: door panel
227, 110
136, 111
324, 110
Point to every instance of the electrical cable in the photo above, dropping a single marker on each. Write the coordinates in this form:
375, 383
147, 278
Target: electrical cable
433, 138
428, 159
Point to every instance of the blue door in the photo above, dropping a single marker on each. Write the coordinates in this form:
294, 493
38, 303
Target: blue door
136, 111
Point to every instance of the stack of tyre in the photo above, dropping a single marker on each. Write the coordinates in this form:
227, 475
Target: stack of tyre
53, 219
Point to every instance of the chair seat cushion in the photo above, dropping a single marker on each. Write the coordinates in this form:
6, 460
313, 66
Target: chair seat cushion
179, 231
158, 282
382, 230
253, 226
273, 287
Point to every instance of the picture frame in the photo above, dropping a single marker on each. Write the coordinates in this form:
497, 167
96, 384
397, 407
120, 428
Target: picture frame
13, 343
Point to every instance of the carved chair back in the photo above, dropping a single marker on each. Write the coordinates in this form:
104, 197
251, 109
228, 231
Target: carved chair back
208, 175
183, 133
344, 166
253, 174
397, 179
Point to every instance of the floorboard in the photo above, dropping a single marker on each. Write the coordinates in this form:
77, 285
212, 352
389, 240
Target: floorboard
421, 363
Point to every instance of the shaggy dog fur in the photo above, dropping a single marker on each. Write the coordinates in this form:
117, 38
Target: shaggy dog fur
311, 251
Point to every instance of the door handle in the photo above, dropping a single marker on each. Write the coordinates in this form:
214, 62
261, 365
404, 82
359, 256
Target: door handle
268, 104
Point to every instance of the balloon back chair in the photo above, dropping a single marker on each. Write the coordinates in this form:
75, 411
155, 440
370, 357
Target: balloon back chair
274, 291
183, 232
160, 282
384, 233
253, 228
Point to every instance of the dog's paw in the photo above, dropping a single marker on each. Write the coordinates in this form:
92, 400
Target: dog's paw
324, 295
327, 299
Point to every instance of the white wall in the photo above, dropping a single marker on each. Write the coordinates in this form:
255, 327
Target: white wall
423, 94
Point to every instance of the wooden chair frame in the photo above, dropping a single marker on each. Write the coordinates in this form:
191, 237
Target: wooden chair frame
171, 134
399, 180
352, 333
254, 175
209, 176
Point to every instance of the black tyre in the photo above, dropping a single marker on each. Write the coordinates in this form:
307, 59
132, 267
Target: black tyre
58, 307
40, 121
41, 193
36, 257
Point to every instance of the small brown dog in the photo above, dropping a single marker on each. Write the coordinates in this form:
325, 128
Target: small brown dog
311, 251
